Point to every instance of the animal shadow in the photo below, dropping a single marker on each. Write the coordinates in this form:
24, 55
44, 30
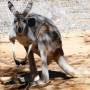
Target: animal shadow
56, 74
28, 80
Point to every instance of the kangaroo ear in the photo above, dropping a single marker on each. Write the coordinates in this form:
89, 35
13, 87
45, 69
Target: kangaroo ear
31, 22
28, 8
12, 9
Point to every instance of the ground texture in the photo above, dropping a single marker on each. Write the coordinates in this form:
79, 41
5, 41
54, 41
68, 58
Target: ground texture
76, 46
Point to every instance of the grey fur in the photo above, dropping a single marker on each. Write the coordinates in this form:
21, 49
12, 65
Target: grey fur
46, 41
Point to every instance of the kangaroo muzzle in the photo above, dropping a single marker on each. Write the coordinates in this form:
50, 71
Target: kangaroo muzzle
20, 30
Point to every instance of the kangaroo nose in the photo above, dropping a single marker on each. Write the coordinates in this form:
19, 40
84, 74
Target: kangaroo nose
20, 30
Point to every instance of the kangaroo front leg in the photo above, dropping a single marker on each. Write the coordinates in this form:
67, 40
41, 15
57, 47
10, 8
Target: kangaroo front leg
25, 59
14, 56
17, 62
32, 65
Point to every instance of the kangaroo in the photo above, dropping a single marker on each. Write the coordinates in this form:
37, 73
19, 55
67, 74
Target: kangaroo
44, 36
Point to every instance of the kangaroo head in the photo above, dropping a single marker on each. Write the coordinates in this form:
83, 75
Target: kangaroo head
20, 21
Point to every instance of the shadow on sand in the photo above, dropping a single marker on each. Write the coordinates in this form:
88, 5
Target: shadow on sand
27, 76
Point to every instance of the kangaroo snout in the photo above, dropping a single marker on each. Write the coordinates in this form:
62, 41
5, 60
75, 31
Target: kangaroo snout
20, 30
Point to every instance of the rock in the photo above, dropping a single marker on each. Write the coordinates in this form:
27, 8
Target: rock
5, 80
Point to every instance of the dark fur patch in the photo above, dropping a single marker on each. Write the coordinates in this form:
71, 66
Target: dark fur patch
10, 5
53, 35
31, 22
59, 50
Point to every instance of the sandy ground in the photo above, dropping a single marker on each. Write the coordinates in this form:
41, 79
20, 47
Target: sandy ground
76, 45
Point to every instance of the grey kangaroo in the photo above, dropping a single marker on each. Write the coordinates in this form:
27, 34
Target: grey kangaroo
43, 35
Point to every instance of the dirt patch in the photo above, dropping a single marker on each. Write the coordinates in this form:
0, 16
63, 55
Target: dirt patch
77, 50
